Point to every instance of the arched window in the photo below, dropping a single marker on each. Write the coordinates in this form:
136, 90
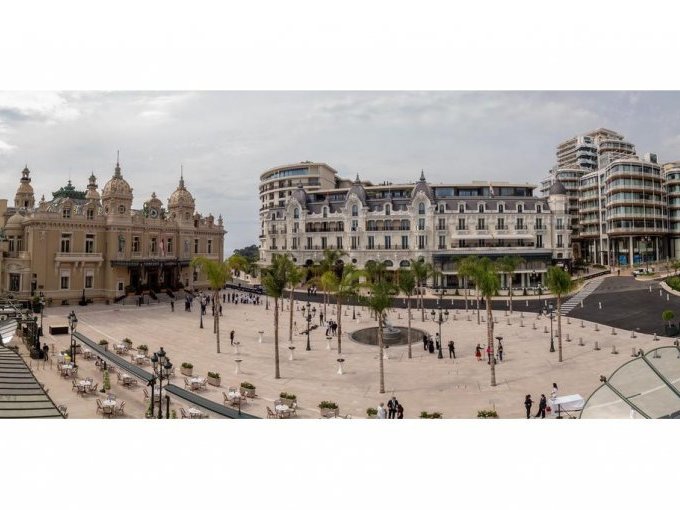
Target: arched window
355, 210
273, 216
480, 208
500, 208
539, 208
520, 208
405, 225
421, 208
387, 209
461, 208
324, 211
296, 213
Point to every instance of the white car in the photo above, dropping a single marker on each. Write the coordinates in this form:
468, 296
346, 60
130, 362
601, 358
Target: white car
641, 271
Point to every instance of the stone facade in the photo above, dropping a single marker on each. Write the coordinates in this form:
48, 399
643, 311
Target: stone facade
83, 244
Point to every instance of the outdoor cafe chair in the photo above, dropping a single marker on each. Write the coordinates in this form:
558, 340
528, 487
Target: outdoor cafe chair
293, 408
100, 408
183, 412
120, 409
187, 383
270, 413
74, 386
93, 388
146, 394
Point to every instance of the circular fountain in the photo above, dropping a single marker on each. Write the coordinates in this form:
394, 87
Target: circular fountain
392, 335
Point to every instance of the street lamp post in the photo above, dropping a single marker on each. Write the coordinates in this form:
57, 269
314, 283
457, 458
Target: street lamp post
440, 319
647, 240
73, 323
308, 314
161, 367
550, 312
42, 307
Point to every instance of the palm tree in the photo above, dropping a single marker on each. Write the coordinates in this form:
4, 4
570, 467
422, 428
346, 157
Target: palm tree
422, 271
488, 283
295, 276
468, 268
344, 287
275, 279
218, 274
375, 271
560, 284
508, 264
379, 302
330, 262
407, 285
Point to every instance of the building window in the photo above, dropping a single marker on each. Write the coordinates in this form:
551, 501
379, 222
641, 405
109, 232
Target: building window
355, 225
539, 223
461, 224
90, 214
501, 208
480, 208
405, 225
421, 242
421, 208
309, 243
539, 209
135, 244
520, 224
209, 246
371, 242
64, 282
539, 241
559, 225
461, 208
154, 246
500, 224
441, 208
296, 213
355, 210
421, 223
480, 224
559, 241
11, 246
404, 242
387, 209
520, 208
89, 243
195, 245
442, 242
89, 279
388, 242
65, 243
66, 213
441, 224
325, 212
355, 244
324, 243
170, 247
338, 243
14, 282
20, 243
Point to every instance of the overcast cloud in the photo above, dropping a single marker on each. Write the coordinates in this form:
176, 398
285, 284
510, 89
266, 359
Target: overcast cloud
226, 139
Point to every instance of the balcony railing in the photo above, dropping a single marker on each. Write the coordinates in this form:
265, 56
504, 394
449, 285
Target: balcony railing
63, 256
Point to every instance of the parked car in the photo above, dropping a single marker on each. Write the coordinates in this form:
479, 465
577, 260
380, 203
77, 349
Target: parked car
641, 271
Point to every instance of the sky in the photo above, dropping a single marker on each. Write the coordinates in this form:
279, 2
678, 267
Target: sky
225, 140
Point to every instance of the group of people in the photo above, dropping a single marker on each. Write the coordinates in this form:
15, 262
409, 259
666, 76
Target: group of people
542, 403
312, 290
245, 298
394, 409
331, 328
489, 353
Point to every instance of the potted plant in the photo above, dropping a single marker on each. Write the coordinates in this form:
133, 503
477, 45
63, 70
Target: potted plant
143, 349
248, 389
187, 369
371, 412
127, 342
214, 378
487, 413
288, 398
434, 415
173, 414
106, 385
104, 343
327, 407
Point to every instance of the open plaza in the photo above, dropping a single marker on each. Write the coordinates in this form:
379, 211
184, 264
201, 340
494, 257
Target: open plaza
456, 388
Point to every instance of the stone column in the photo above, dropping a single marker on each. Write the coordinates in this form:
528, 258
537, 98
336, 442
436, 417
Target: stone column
630, 251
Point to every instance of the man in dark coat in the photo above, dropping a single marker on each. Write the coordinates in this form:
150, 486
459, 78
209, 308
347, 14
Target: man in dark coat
392, 407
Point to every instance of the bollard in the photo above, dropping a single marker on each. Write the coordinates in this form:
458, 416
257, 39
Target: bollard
483, 320
655, 337
259, 337
634, 353
613, 331
506, 313
467, 318
521, 315
580, 341
599, 305
583, 325
597, 327
614, 351
545, 329
495, 320
568, 320
291, 349
508, 321
656, 354
455, 318
581, 303
597, 346
568, 339
521, 323
534, 326
632, 334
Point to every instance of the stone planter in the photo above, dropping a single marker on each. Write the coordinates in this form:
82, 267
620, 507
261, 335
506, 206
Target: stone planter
105, 346
289, 401
248, 392
214, 381
325, 411
186, 371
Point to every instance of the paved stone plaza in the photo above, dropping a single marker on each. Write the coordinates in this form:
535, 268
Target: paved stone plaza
457, 388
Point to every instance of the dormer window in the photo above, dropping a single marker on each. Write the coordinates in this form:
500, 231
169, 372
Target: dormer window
324, 211
90, 214
421, 208
539, 209
387, 210
441, 208
480, 208
66, 213
461, 208
501, 208
355, 210
296, 213
520, 208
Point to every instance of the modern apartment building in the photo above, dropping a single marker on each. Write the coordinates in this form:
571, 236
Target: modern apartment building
617, 200
393, 223
83, 243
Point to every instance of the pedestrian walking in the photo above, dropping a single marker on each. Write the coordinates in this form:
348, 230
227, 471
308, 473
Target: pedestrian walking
436, 340
424, 342
392, 407
553, 393
500, 352
451, 349
381, 411
430, 346
45, 350
478, 352
231, 337
172, 305
400, 412
542, 404
527, 404
489, 353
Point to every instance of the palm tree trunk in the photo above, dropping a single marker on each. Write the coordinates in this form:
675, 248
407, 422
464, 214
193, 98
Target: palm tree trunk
489, 335
559, 328
478, 302
422, 305
382, 364
277, 373
466, 294
510, 293
338, 305
409, 328
216, 302
290, 326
